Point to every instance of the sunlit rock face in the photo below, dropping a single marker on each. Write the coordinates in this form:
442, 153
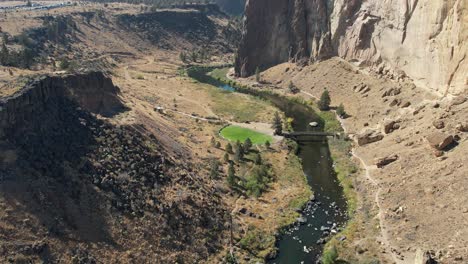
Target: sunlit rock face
424, 40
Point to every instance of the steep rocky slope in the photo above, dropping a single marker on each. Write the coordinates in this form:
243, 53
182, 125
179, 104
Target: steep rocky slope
412, 146
425, 40
77, 188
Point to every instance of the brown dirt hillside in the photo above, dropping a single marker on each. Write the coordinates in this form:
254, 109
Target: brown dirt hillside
80, 185
419, 201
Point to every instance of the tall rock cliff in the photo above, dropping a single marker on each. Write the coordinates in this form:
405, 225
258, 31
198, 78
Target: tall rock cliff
425, 40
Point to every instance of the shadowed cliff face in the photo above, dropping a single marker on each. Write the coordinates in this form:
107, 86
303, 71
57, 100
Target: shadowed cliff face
235, 7
276, 31
421, 39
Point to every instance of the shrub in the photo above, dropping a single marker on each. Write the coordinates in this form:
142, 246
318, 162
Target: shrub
340, 111
292, 88
257, 75
229, 148
277, 124
330, 256
247, 145
258, 159
256, 241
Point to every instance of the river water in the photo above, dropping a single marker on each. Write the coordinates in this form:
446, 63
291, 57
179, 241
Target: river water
326, 214
303, 243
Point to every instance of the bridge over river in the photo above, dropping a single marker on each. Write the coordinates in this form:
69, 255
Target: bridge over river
305, 134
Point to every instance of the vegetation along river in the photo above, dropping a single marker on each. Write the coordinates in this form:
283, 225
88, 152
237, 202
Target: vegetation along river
326, 213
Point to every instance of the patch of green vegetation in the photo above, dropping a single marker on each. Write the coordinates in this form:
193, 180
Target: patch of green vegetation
330, 256
220, 74
235, 133
239, 107
257, 180
345, 168
292, 174
139, 76
331, 123
257, 242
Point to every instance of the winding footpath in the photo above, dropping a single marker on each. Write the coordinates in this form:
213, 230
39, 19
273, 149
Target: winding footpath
383, 230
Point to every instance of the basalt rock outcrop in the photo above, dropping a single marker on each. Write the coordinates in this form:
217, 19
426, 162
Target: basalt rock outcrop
421, 39
70, 178
92, 91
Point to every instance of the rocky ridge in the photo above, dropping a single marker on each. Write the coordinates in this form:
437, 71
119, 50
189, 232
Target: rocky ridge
70, 178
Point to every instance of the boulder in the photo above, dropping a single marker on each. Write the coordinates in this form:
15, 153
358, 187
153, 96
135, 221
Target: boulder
392, 92
395, 102
369, 136
458, 100
405, 104
382, 162
439, 124
424, 257
462, 127
439, 140
390, 126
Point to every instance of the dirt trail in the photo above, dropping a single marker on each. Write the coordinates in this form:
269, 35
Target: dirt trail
383, 231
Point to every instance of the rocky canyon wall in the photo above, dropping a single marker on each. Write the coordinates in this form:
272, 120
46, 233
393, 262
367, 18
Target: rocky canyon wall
425, 40
92, 91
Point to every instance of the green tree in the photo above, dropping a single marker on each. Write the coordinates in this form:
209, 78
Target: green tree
64, 64
214, 169
26, 56
218, 145
5, 38
229, 148
239, 154
194, 56
257, 181
324, 102
4, 55
277, 124
183, 57
247, 145
340, 111
257, 75
226, 157
258, 159
231, 178
268, 144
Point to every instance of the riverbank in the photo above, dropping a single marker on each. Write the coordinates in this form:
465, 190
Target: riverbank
339, 149
257, 222
414, 204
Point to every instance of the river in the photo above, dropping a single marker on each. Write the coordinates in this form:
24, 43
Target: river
326, 214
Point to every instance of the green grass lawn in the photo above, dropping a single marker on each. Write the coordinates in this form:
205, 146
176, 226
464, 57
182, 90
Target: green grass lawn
234, 133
